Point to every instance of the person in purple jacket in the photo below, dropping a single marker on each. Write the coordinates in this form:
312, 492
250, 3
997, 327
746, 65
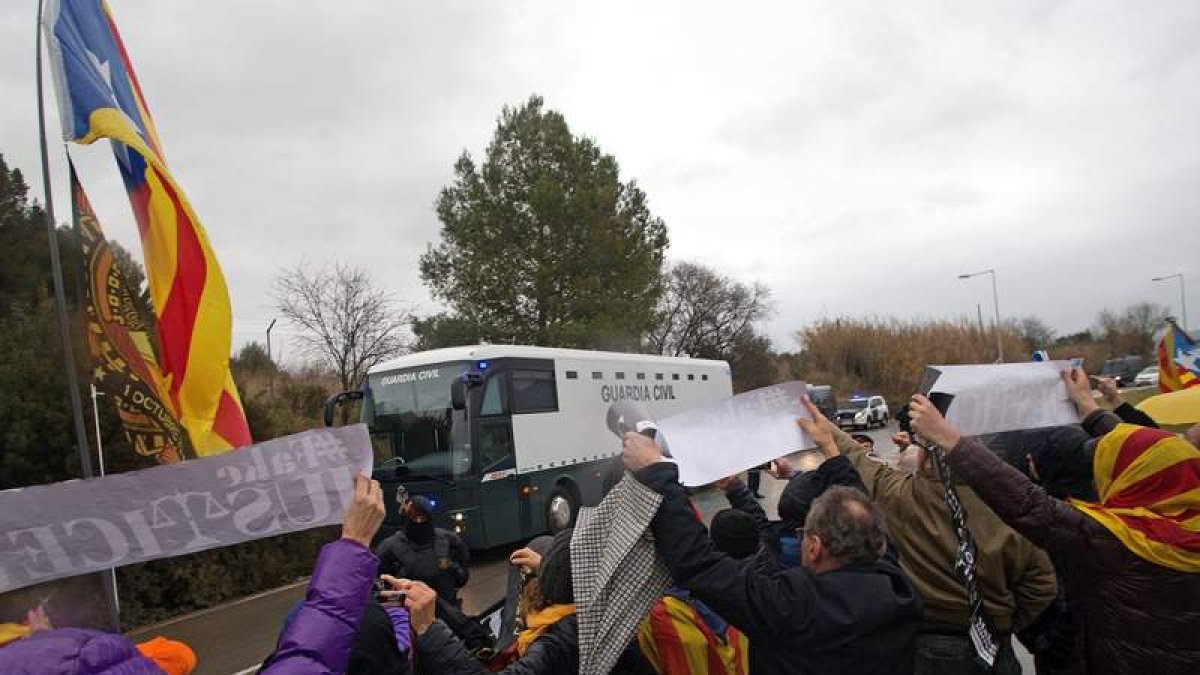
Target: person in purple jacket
320, 635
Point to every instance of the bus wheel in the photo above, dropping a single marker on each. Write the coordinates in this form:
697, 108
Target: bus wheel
560, 510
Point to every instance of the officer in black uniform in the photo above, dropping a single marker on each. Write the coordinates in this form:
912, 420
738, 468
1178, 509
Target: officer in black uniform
437, 558
425, 553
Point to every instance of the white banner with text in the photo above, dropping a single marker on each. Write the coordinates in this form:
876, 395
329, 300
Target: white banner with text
280, 486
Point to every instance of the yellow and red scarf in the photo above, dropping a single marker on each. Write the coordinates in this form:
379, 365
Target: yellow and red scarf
1148, 482
539, 622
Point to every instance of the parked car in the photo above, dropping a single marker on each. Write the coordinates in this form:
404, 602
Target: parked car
1147, 378
864, 412
1123, 369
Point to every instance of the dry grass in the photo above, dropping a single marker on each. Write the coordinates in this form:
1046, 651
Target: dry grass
888, 356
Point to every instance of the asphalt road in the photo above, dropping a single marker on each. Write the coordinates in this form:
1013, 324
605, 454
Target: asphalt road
236, 637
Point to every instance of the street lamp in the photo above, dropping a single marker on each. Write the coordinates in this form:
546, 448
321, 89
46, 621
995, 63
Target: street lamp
1182, 294
996, 305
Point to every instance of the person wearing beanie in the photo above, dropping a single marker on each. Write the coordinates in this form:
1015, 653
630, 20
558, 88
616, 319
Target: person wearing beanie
548, 645
735, 533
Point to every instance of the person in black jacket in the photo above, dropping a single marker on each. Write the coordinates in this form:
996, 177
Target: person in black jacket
846, 609
425, 553
439, 559
780, 543
549, 645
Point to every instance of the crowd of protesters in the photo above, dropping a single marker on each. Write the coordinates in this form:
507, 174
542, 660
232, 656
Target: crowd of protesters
1088, 555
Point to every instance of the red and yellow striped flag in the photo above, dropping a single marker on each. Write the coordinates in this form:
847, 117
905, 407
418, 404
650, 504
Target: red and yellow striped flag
677, 640
99, 97
1148, 482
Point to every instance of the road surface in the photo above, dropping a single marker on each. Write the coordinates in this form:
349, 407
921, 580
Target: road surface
236, 637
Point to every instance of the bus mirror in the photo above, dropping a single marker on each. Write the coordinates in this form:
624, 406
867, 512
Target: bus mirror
458, 395
336, 401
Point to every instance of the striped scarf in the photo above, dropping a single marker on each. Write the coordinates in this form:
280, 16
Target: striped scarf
1148, 482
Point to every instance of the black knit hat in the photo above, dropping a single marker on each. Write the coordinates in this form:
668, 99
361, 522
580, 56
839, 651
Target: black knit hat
735, 533
554, 574
375, 651
797, 497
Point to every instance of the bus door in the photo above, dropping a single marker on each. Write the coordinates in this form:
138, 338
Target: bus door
500, 499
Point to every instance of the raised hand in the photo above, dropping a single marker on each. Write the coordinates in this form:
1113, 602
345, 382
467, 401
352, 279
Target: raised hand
365, 513
928, 422
818, 428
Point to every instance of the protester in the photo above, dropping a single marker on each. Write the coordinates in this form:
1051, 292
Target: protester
864, 440
381, 646
846, 609
320, 636
776, 539
1016, 579
683, 636
735, 533
780, 543
1112, 395
548, 645
1134, 580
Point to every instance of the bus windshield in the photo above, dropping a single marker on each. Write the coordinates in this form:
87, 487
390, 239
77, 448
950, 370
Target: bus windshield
413, 425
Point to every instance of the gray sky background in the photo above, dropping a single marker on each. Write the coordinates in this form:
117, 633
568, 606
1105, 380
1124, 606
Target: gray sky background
855, 157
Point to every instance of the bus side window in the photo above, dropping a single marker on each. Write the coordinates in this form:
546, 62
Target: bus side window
534, 391
495, 445
494, 402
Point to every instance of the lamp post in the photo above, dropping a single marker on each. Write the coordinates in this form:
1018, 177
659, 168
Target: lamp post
1182, 294
996, 305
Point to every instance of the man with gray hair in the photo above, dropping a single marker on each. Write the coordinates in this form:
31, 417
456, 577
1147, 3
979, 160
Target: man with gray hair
848, 607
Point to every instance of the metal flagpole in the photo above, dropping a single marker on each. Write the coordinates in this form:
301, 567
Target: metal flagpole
112, 572
60, 302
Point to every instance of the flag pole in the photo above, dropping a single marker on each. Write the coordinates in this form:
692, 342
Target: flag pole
60, 302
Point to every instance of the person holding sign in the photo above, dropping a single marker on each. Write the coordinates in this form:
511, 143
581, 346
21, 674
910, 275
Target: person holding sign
1015, 577
319, 637
1134, 553
847, 609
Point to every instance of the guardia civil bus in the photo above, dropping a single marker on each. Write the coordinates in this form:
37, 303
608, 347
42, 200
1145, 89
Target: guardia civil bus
507, 442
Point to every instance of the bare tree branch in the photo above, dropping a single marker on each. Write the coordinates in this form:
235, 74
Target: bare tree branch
705, 314
346, 323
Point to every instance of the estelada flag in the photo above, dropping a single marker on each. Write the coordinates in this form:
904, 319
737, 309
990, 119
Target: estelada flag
126, 368
1148, 482
1178, 359
99, 97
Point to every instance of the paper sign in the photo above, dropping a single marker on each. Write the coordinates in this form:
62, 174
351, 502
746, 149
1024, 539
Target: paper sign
284, 485
993, 398
736, 434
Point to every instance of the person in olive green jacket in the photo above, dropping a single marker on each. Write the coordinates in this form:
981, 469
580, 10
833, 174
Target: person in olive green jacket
1016, 578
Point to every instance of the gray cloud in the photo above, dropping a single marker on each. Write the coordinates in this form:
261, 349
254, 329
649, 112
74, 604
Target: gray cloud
853, 156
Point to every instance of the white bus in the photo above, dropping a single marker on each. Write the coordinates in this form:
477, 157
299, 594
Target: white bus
507, 442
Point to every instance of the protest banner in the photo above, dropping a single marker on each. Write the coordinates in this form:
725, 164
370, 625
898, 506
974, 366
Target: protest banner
280, 486
735, 434
991, 398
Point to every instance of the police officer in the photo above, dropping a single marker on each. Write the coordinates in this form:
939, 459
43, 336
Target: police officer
438, 558
425, 553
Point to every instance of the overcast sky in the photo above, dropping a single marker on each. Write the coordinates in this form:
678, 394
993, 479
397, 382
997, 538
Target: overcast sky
855, 157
